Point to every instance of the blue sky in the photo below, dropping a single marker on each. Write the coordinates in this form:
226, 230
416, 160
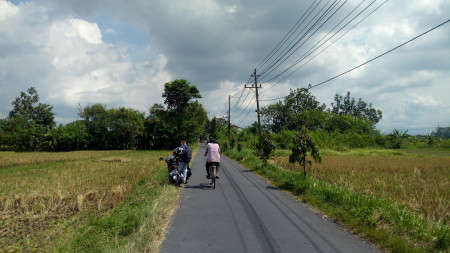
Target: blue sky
120, 53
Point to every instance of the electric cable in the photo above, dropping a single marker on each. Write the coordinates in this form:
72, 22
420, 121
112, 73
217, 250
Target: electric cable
286, 37
296, 38
284, 57
298, 61
418, 36
383, 54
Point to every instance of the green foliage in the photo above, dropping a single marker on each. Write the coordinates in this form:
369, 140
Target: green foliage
28, 106
397, 138
247, 138
284, 139
304, 144
265, 145
213, 128
28, 123
233, 141
73, 136
299, 109
179, 93
348, 106
164, 127
112, 128
443, 132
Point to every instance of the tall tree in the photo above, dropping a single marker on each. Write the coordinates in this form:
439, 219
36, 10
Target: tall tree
348, 106
28, 106
299, 108
183, 117
179, 93
28, 123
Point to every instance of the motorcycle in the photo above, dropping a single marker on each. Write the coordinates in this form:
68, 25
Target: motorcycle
175, 175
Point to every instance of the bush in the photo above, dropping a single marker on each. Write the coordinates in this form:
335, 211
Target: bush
284, 139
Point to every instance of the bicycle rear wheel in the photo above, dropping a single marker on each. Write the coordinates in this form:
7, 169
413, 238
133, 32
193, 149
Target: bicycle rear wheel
213, 176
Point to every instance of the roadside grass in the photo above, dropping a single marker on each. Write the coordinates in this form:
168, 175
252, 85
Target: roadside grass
85, 201
381, 216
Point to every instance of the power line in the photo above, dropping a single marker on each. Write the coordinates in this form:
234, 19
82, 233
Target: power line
389, 51
286, 37
418, 36
275, 64
303, 58
247, 113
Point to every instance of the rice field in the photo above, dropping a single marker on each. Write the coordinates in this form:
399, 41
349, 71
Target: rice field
422, 183
37, 189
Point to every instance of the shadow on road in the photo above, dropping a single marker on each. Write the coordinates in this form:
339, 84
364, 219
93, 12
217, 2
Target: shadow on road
200, 186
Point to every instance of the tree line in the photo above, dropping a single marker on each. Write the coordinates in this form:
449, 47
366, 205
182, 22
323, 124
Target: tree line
348, 123
31, 126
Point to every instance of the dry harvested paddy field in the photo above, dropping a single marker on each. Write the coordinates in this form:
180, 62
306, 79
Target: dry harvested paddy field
418, 179
39, 191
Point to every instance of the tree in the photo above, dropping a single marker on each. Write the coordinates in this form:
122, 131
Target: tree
397, 137
304, 144
275, 116
348, 106
112, 128
431, 138
194, 118
95, 117
28, 123
160, 128
265, 145
179, 93
164, 127
299, 108
213, 128
28, 106
73, 136
124, 125
443, 132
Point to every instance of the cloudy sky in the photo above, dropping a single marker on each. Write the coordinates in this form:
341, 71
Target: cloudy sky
121, 53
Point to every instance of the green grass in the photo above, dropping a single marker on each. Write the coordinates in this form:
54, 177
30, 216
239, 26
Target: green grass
391, 226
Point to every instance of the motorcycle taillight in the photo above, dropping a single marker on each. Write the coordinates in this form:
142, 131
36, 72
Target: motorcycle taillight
172, 167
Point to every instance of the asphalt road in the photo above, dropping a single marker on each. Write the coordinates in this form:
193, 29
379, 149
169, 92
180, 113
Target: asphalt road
246, 214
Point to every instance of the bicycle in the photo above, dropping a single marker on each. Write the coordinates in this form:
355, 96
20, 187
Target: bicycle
212, 174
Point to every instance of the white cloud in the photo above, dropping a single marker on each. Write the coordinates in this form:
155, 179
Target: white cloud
7, 9
418, 100
216, 44
83, 29
69, 64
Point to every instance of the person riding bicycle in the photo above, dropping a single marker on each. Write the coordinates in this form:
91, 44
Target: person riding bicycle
213, 153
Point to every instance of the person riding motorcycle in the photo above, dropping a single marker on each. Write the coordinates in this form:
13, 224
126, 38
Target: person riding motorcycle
213, 156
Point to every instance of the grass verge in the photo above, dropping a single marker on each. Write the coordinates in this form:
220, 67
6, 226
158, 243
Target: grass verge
391, 226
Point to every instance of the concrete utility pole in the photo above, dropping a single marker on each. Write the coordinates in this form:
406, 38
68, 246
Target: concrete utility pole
257, 99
